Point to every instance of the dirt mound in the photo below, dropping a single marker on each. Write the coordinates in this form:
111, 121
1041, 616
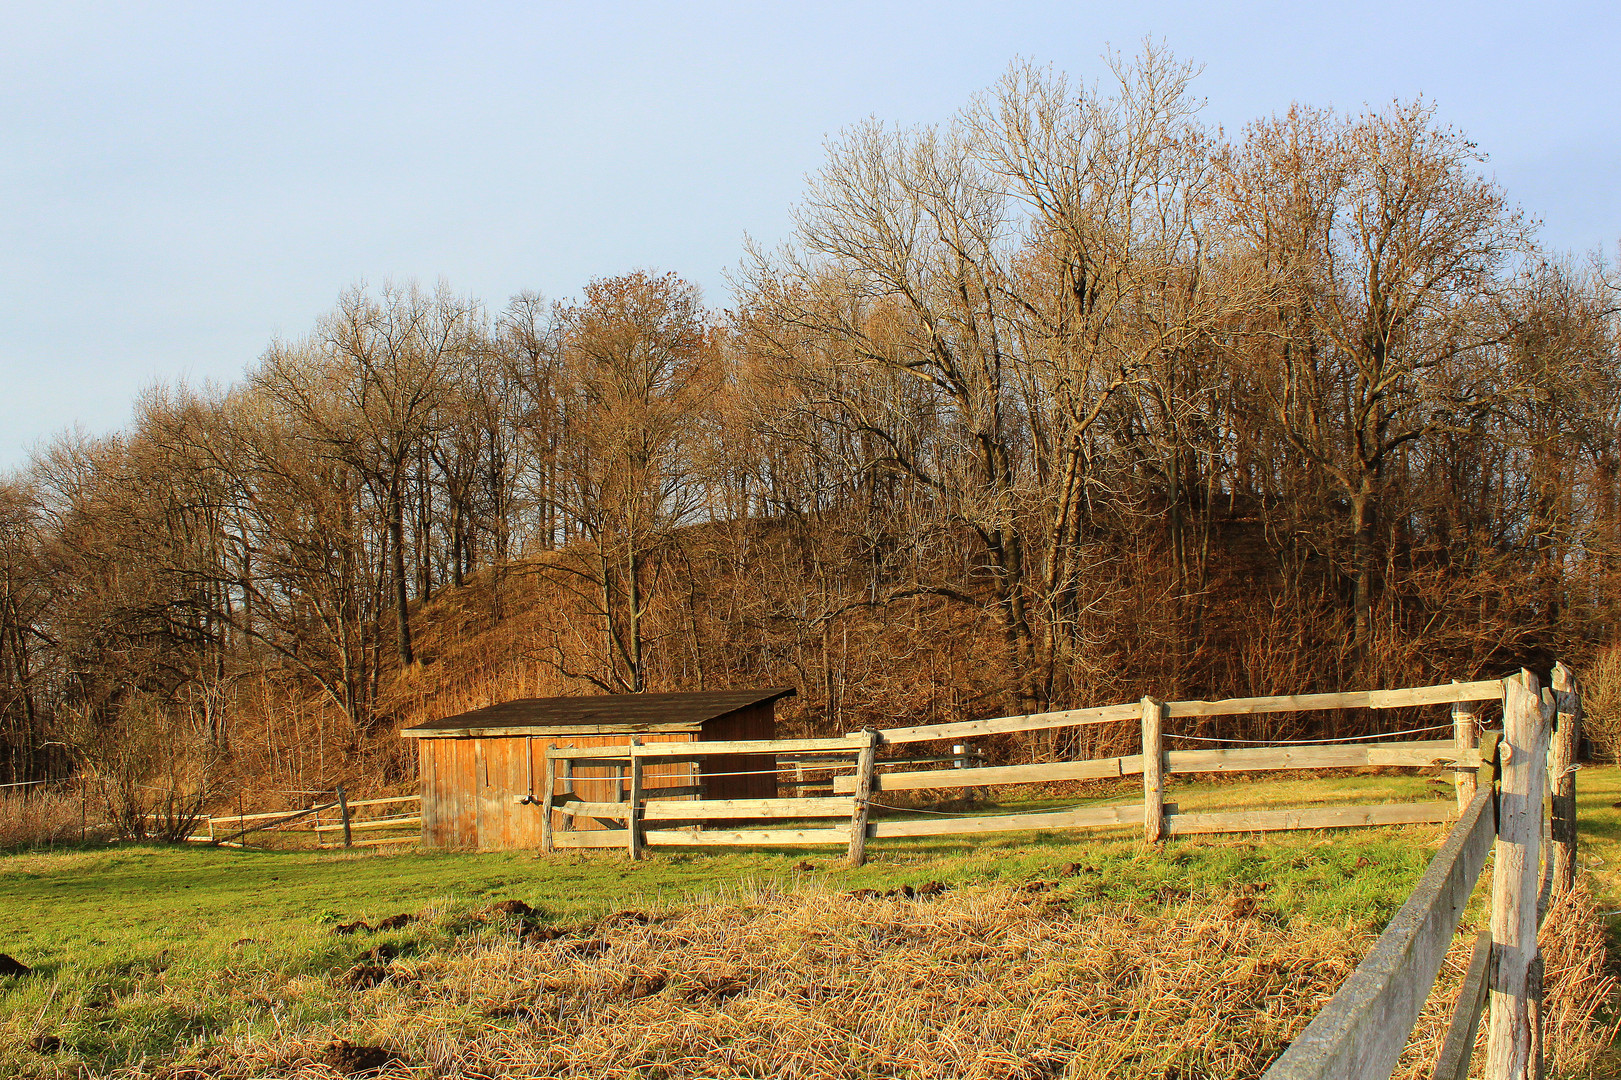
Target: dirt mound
537, 935
394, 922
626, 918
10, 967
513, 907
902, 892
345, 1057
366, 976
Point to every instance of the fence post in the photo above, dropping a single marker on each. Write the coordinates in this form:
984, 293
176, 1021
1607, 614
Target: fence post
568, 789
548, 800
1464, 720
343, 811
1153, 770
866, 760
633, 812
1514, 1037
1562, 774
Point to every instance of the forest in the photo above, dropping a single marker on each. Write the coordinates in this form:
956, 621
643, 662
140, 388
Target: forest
1064, 400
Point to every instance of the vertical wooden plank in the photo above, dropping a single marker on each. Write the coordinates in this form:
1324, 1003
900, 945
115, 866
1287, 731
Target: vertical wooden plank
1486, 775
529, 765
1153, 770
343, 810
568, 786
1459, 1047
547, 800
866, 761
473, 766
1562, 775
481, 772
753, 775
428, 788
1512, 1042
633, 823
1464, 725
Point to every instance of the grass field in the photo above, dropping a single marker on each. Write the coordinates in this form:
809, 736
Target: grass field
198, 961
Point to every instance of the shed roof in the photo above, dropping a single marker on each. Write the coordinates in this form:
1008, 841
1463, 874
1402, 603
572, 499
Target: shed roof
604, 714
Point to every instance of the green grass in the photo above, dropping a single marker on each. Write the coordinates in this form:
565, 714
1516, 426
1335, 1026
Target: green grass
139, 950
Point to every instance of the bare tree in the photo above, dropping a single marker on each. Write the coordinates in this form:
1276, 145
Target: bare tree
636, 367
368, 397
1384, 248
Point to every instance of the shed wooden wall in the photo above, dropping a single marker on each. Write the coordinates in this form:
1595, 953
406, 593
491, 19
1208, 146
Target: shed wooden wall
470, 786
755, 722
609, 783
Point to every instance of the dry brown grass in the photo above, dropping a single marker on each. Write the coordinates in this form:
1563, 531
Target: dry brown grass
982, 983
1581, 988
31, 817
1601, 701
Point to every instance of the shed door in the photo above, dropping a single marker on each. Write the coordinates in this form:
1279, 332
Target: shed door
491, 782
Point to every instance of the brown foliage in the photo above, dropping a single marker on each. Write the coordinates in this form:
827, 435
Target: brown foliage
1065, 401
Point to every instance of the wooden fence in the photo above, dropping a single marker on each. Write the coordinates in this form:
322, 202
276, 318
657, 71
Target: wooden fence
333, 824
1362, 1031
856, 778
1500, 783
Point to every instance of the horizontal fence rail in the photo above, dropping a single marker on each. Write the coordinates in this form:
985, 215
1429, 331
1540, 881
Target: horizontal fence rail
232, 829
1248, 759
1442, 694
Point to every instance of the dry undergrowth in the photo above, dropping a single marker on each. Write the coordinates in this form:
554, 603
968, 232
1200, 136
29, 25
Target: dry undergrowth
30, 817
978, 983
1581, 987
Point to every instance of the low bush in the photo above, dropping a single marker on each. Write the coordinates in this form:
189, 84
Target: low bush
1601, 703
39, 815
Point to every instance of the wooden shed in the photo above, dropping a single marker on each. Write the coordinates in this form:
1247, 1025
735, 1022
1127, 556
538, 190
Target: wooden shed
483, 772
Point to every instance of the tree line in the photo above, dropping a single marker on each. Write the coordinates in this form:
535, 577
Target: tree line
1068, 397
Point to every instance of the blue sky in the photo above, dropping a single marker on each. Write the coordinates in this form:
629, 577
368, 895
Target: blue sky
179, 184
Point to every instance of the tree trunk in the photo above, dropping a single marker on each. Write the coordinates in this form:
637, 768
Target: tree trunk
633, 627
1363, 552
396, 537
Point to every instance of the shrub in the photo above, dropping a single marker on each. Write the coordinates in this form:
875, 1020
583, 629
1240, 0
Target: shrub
1601, 703
32, 816
153, 767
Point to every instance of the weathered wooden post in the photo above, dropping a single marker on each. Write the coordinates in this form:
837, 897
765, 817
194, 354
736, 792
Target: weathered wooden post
1511, 1047
1562, 776
633, 812
866, 762
343, 809
547, 800
1153, 770
568, 790
1465, 722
